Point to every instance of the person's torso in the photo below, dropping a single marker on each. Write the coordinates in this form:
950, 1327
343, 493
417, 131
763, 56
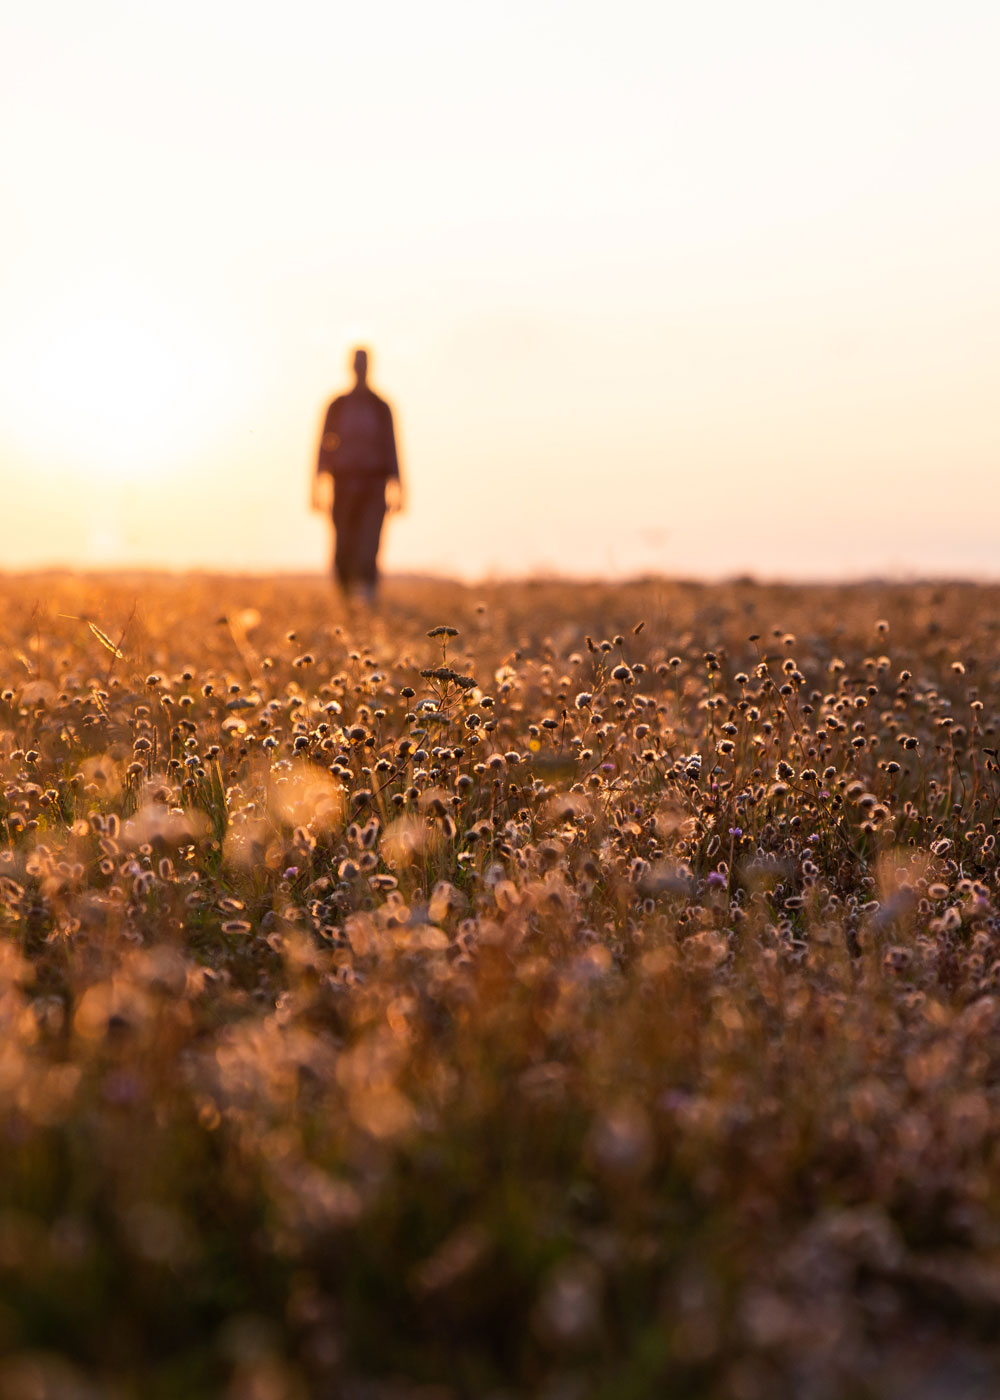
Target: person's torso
359, 429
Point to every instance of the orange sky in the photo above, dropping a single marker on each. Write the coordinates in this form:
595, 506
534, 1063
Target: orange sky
694, 289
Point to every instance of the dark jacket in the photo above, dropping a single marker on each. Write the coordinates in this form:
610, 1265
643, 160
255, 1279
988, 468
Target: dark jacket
383, 462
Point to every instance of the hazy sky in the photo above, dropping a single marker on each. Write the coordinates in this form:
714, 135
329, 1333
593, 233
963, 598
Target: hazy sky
691, 288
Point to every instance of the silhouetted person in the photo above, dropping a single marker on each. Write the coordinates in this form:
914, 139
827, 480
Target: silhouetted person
358, 451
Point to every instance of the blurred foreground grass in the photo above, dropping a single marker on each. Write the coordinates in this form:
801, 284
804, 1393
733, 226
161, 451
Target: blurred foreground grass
541, 990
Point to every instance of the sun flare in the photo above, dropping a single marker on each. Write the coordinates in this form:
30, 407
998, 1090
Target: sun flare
111, 387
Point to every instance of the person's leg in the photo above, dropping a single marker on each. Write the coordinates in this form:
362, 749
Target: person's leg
345, 531
371, 514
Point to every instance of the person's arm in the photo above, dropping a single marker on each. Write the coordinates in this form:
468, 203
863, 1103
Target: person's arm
320, 497
395, 495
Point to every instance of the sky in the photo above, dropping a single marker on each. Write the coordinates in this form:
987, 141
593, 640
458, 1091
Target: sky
698, 290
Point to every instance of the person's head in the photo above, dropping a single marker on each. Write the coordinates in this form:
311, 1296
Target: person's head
361, 366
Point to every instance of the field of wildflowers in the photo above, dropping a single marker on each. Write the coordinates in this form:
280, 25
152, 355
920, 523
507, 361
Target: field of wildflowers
535, 990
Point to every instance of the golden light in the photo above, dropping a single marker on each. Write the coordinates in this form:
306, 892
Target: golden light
112, 384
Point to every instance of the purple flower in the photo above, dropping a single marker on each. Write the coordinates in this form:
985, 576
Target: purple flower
290, 873
736, 831
716, 878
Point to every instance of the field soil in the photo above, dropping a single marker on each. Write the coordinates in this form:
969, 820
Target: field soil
533, 989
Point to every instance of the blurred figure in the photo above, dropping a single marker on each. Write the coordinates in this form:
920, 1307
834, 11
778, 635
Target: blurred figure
357, 453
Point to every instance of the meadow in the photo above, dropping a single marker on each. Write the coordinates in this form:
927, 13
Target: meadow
554, 990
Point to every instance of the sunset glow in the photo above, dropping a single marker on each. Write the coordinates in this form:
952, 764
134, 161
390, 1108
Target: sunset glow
130, 396
697, 293
499, 701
